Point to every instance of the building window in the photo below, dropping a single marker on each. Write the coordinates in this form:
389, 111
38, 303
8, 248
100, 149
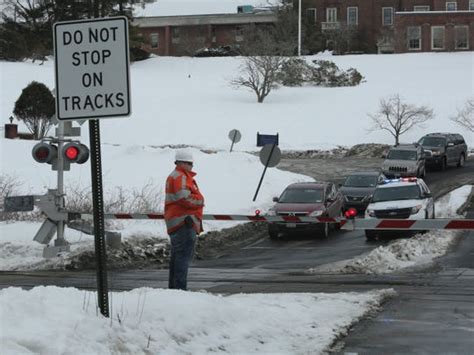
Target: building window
471, 5
353, 15
311, 16
213, 35
387, 16
175, 35
437, 37
421, 8
154, 40
461, 37
414, 37
331, 14
239, 33
451, 6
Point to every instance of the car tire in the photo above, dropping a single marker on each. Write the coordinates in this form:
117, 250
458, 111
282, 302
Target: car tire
423, 174
461, 161
325, 230
337, 226
443, 164
273, 233
370, 236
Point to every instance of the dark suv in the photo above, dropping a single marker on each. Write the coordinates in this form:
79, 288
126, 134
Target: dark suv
358, 189
308, 199
442, 149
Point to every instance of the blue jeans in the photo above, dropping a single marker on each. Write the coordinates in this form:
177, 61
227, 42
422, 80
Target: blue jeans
182, 252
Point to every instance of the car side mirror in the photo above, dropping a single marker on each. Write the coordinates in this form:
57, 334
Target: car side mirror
275, 199
428, 194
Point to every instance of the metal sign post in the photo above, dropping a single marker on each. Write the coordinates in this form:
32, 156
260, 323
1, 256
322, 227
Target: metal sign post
270, 156
234, 136
90, 56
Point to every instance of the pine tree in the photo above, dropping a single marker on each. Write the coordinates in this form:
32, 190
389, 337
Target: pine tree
35, 107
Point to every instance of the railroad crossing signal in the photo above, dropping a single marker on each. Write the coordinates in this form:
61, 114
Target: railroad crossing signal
76, 153
73, 152
45, 153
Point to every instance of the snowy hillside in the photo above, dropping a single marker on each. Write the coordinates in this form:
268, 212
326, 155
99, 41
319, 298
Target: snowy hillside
189, 101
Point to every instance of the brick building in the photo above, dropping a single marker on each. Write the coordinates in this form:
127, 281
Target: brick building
183, 35
389, 26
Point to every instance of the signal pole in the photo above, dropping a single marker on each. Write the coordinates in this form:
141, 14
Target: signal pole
60, 194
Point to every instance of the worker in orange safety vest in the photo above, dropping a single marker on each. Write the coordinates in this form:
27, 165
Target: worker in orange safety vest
184, 205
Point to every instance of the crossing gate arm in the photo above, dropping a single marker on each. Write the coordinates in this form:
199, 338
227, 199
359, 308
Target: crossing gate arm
409, 224
346, 224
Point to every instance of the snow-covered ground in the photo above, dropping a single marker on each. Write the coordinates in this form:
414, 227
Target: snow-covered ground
52, 320
189, 101
400, 254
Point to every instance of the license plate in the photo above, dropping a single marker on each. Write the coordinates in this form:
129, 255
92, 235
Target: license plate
291, 225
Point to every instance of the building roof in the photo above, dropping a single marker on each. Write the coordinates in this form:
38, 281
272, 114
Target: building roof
214, 19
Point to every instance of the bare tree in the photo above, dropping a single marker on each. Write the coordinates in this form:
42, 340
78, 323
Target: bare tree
398, 117
465, 116
259, 74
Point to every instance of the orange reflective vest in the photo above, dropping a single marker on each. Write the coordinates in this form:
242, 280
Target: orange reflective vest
183, 199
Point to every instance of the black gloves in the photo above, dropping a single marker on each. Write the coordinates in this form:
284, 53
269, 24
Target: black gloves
188, 222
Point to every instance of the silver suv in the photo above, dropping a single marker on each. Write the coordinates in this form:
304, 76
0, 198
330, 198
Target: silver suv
442, 149
405, 160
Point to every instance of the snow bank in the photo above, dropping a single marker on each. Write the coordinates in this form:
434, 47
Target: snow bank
56, 320
419, 250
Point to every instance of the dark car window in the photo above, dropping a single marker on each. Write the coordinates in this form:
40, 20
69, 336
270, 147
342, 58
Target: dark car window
401, 155
361, 181
301, 196
397, 193
433, 141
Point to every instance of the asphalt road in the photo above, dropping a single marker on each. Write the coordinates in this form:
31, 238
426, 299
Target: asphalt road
434, 312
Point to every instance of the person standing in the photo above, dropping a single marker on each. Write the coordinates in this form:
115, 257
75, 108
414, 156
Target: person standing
184, 205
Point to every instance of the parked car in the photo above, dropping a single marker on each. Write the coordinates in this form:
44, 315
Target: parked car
404, 198
405, 160
312, 199
358, 189
442, 149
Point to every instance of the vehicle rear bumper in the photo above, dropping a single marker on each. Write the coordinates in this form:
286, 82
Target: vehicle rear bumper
288, 227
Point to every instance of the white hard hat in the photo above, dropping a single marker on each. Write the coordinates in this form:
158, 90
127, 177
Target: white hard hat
184, 155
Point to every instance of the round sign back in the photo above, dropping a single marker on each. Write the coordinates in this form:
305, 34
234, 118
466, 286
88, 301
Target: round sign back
234, 135
270, 155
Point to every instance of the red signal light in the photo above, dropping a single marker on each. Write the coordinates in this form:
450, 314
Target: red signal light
71, 152
76, 153
351, 213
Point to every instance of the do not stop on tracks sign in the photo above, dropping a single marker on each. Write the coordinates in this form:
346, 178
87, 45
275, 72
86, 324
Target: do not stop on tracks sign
92, 68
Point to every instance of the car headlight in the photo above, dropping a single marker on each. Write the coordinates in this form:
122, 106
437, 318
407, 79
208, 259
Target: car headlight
316, 213
371, 213
414, 210
367, 198
435, 152
271, 213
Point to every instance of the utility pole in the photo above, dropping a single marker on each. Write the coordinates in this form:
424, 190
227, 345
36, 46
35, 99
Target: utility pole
299, 28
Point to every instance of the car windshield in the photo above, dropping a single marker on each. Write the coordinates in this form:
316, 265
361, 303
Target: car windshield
411, 192
433, 142
301, 196
402, 155
361, 181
